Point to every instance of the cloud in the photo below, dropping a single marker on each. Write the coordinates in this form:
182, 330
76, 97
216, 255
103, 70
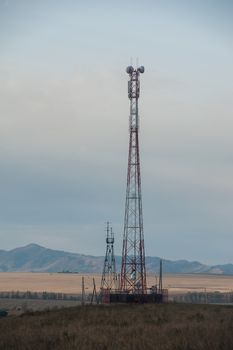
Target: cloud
64, 127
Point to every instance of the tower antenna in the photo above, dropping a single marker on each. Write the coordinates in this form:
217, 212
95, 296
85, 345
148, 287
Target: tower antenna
133, 270
108, 281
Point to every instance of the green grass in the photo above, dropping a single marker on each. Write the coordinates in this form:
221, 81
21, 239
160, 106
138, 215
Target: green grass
122, 327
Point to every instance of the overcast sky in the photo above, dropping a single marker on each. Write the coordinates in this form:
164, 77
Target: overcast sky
64, 124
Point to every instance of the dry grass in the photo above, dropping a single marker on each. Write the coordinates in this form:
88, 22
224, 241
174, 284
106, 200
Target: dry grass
122, 327
71, 283
36, 304
49, 282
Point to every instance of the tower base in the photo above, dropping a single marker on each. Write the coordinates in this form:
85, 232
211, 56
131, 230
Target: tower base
127, 298
136, 298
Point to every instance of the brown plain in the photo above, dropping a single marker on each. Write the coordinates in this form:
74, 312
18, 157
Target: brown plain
72, 283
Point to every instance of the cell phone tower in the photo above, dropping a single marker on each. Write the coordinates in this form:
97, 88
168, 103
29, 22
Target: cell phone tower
133, 271
108, 281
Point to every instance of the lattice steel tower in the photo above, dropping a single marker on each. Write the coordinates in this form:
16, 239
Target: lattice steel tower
133, 271
109, 276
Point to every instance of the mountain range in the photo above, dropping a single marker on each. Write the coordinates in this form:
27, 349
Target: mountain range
35, 258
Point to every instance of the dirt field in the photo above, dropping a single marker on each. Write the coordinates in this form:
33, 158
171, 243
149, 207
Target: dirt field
72, 283
200, 283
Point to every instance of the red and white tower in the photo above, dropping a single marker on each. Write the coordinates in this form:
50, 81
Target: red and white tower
133, 271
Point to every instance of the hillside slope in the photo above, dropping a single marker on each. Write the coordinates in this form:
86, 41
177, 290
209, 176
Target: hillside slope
35, 258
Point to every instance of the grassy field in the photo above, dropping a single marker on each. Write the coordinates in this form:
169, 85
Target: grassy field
34, 305
122, 327
71, 283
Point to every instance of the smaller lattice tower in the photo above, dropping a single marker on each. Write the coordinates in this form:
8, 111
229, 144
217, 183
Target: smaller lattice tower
109, 276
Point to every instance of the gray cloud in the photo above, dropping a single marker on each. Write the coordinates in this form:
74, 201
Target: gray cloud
64, 127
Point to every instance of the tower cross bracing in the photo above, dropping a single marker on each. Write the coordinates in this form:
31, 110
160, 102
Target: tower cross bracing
133, 271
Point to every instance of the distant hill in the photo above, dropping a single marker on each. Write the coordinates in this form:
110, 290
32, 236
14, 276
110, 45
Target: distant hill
35, 258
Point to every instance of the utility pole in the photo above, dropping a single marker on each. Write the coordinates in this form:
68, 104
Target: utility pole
94, 293
83, 291
161, 277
